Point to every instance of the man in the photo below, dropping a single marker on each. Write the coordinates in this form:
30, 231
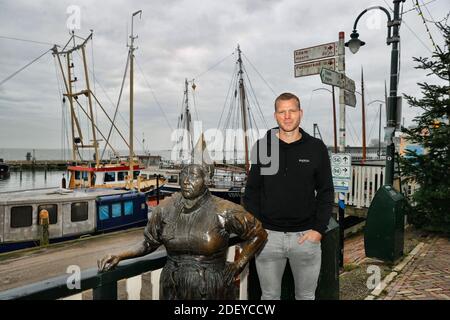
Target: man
294, 204
194, 226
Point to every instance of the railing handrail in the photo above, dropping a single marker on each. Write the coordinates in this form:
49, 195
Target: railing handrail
57, 287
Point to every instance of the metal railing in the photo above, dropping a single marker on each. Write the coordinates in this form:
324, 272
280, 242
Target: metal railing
104, 285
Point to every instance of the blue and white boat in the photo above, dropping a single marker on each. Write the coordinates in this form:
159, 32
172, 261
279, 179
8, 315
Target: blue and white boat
72, 214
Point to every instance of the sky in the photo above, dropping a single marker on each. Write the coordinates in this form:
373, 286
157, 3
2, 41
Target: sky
193, 39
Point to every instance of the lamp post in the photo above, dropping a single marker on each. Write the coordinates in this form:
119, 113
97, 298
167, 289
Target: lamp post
394, 102
379, 126
334, 116
384, 232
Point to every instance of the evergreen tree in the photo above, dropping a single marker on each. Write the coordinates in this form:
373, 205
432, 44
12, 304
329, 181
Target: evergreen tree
430, 208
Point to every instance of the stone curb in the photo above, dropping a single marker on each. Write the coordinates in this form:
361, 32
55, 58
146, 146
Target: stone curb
396, 271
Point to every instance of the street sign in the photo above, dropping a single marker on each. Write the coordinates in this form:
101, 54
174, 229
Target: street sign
317, 52
314, 67
349, 84
331, 77
349, 98
337, 79
341, 169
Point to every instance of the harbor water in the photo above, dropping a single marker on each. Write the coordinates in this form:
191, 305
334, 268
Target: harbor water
31, 180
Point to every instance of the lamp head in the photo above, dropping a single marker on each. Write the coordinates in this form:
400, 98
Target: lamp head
354, 43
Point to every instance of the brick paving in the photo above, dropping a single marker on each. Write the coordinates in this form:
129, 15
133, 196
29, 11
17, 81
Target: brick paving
426, 276
354, 250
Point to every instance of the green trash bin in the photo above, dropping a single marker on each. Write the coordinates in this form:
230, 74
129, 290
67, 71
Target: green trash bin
328, 283
384, 231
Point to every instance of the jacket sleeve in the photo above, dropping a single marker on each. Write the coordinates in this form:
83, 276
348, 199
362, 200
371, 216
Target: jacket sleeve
324, 192
252, 195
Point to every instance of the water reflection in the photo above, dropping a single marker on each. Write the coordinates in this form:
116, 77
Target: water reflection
31, 180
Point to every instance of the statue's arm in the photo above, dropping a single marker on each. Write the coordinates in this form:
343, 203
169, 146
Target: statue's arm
248, 228
152, 240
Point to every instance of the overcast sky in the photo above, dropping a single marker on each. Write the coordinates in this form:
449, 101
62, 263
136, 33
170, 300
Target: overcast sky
184, 39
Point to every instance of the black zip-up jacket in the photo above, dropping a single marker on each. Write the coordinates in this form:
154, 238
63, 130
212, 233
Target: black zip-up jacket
300, 195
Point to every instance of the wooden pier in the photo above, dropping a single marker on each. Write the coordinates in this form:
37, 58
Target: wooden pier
19, 165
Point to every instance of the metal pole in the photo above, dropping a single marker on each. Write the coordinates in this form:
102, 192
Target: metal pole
393, 99
131, 164
91, 112
379, 135
363, 110
157, 189
131, 114
341, 69
334, 121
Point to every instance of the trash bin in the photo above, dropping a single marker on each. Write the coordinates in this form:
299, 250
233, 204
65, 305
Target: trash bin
328, 283
384, 231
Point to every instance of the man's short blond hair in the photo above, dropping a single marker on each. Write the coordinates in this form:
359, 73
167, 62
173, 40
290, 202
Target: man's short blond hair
287, 96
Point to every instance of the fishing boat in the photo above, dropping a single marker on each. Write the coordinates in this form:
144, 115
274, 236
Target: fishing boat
97, 172
102, 195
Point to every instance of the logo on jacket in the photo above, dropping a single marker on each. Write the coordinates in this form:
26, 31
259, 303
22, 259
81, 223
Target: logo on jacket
303, 160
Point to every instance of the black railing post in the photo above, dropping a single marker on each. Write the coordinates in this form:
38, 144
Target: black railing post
105, 291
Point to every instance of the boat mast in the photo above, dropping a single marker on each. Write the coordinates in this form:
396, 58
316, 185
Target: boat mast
77, 137
243, 109
132, 48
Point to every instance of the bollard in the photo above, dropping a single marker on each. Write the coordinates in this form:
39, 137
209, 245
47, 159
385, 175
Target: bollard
63, 182
44, 222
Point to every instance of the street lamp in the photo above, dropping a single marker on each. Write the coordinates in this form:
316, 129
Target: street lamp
379, 126
394, 102
384, 231
334, 115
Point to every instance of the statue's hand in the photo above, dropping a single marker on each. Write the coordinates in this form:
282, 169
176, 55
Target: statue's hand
107, 263
231, 272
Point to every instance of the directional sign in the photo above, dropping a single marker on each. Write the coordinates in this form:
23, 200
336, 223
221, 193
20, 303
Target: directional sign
341, 169
317, 52
314, 67
331, 77
349, 84
349, 98
337, 79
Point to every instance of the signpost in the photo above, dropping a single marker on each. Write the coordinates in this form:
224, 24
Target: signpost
341, 169
314, 67
349, 98
314, 53
331, 77
324, 59
340, 80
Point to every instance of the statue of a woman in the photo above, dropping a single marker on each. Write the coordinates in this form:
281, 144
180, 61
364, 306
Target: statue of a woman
194, 226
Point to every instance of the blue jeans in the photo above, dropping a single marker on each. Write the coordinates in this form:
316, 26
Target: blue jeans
304, 259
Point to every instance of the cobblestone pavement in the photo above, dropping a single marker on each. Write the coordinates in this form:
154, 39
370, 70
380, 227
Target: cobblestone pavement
426, 276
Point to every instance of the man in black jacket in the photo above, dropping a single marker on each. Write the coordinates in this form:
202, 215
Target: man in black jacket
293, 202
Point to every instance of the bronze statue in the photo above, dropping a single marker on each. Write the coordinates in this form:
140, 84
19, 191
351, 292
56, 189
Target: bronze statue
194, 226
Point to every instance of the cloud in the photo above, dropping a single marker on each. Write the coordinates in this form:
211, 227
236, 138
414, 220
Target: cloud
187, 39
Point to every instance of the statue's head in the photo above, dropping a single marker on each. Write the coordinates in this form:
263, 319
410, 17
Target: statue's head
193, 181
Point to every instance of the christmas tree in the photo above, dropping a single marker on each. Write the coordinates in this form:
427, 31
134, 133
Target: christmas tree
430, 169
